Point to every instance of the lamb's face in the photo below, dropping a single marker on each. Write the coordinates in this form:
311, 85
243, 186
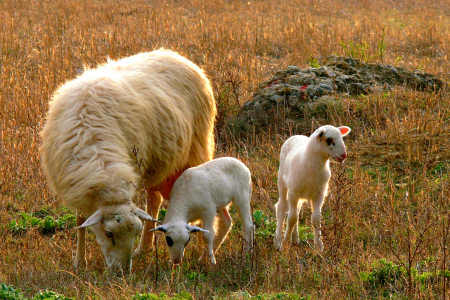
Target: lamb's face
330, 139
177, 237
116, 228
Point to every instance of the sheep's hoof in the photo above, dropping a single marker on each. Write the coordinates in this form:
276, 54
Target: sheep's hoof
139, 251
212, 259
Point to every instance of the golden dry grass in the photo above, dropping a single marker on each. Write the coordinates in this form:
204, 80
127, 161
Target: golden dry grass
389, 201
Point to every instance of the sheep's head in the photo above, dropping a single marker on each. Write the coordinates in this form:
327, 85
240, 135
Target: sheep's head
116, 228
330, 139
177, 237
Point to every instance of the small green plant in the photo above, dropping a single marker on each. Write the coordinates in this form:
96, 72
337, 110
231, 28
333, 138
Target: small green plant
382, 45
183, 295
439, 169
48, 225
17, 227
162, 214
383, 273
9, 293
313, 62
265, 227
258, 218
283, 295
358, 50
49, 295
66, 221
192, 276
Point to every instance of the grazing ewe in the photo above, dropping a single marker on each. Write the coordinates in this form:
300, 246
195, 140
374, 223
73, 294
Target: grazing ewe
304, 174
158, 103
203, 194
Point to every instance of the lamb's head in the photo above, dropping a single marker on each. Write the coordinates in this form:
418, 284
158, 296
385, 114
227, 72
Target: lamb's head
177, 237
116, 228
330, 140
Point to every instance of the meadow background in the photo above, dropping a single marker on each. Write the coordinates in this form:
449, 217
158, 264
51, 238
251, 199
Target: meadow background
386, 220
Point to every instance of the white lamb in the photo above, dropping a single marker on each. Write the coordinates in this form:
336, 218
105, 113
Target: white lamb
203, 194
304, 174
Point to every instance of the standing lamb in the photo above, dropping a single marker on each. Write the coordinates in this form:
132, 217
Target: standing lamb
158, 103
304, 174
203, 194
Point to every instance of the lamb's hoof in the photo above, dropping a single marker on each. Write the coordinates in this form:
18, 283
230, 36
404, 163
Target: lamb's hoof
212, 260
278, 244
80, 264
318, 246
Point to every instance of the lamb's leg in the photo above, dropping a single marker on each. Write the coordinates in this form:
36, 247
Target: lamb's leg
208, 237
295, 236
223, 225
154, 201
281, 211
316, 207
292, 217
80, 259
203, 243
245, 215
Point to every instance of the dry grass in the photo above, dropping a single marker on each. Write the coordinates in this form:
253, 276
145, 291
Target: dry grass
389, 201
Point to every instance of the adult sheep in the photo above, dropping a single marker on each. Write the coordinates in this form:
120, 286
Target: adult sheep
157, 102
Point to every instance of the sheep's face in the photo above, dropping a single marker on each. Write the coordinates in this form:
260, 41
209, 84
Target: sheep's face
330, 139
177, 237
116, 228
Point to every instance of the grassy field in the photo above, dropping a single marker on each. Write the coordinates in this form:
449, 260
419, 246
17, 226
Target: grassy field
385, 222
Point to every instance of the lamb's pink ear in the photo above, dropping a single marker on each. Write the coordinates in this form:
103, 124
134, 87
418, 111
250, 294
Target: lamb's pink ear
92, 220
344, 130
321, 132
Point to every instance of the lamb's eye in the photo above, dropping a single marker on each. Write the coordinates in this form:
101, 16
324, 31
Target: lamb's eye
109, 234
329, 141
169, 241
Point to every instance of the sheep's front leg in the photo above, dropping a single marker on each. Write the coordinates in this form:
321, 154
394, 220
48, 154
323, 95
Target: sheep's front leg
80, 259
292, 218
154, 201
316, 207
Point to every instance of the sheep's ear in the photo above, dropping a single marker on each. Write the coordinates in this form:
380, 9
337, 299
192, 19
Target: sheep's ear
162, 228
92, 220
144, 216
193, 228
344, 130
